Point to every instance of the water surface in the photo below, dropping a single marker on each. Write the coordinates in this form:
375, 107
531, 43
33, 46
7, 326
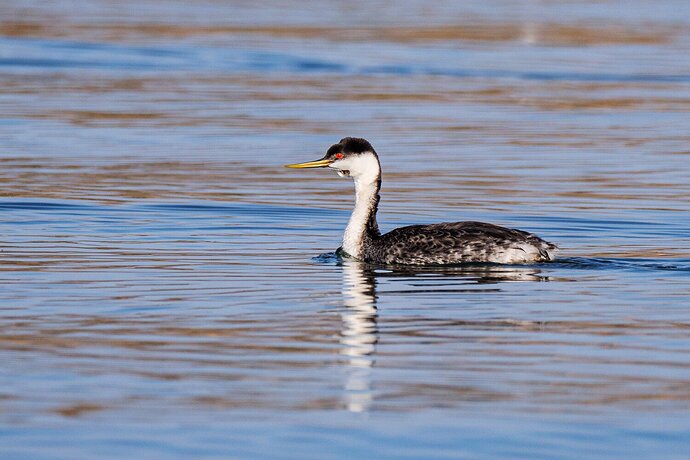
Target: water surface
169, 290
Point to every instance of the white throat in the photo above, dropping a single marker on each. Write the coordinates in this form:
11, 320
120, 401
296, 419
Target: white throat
365, 171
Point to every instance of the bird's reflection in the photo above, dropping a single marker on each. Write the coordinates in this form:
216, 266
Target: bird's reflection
360, 332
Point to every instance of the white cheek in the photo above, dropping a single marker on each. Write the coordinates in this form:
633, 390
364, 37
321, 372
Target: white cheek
342, 167
364, 167
340, 164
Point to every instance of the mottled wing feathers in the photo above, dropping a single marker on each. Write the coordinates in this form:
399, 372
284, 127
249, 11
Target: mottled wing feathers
458, 242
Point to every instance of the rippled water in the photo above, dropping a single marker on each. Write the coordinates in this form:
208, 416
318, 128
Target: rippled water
169, 290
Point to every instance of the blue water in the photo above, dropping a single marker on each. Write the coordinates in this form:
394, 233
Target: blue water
169, 290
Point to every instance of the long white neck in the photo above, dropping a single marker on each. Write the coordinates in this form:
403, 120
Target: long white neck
362, 224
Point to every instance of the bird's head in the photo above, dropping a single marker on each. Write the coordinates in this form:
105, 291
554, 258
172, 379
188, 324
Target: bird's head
352, 156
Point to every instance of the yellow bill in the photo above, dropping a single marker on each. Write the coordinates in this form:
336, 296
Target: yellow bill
311, 164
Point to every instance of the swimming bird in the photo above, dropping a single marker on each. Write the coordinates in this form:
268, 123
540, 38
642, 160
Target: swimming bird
435, 244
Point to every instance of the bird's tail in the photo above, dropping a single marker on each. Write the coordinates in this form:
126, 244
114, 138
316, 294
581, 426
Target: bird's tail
548, 251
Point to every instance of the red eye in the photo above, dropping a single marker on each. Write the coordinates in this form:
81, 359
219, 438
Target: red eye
338, 155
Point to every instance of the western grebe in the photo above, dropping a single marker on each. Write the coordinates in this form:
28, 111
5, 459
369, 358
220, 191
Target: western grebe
445, 243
